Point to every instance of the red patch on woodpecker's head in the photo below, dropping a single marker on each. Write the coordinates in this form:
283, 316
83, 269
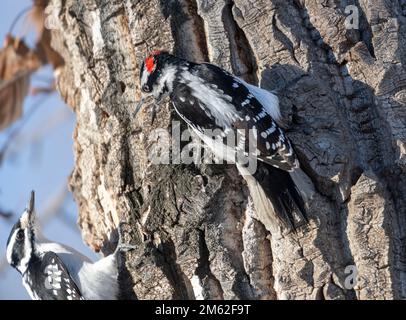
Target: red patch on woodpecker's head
150, 61
150, 64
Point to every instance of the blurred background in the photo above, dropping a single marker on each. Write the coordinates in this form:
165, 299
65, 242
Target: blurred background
36, 145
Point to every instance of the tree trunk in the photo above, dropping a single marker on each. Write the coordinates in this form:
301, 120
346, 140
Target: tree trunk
342, 93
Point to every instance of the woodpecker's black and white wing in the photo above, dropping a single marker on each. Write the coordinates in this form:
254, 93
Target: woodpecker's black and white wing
49, 279
209, 97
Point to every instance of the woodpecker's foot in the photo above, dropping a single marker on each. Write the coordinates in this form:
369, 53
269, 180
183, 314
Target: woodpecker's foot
121, 246
126, 247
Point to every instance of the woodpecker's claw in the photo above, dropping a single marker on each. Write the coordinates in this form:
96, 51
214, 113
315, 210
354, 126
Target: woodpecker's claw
121, 246
124, 247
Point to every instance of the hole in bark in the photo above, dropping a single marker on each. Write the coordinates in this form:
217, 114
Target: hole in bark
122, 87
104, 115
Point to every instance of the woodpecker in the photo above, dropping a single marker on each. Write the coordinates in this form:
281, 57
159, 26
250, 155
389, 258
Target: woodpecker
52, 271
207, 98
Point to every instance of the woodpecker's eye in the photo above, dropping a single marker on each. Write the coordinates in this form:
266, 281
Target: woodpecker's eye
146, 88
20, 235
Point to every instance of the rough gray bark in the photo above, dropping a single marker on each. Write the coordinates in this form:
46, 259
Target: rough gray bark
343, 95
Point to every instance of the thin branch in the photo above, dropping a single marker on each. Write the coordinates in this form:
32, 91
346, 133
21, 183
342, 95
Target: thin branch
18, 129
17, 18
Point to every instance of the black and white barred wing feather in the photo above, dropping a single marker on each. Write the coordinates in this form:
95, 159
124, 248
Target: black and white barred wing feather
230, 103
52, 279
211, 98
271, 144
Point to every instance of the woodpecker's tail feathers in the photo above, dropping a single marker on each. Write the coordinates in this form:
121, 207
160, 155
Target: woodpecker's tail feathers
263, 206
303, 184
276, 198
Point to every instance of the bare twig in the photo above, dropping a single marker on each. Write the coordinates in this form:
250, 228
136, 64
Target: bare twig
17, 129
17, 18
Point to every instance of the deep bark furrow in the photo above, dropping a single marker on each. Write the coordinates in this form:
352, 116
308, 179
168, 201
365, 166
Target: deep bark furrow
211, 285
187, 29
243, 62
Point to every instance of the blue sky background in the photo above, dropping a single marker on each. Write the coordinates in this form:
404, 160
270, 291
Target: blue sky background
40, 158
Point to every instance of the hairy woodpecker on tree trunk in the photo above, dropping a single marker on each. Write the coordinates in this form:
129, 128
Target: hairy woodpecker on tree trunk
51, 271
215, 104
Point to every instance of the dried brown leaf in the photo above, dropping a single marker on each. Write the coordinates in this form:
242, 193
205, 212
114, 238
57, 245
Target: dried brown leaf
17, 62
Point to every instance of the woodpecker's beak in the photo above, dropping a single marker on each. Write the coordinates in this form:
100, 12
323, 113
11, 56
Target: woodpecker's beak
31, 204
28, 217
